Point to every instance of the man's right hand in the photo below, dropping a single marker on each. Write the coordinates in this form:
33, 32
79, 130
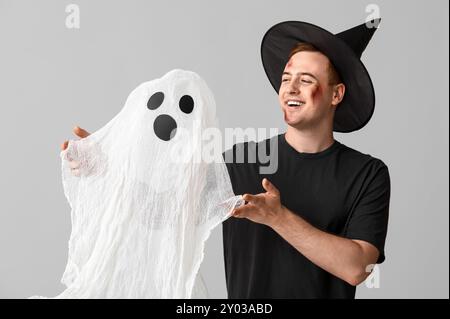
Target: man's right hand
75, 165
78, 131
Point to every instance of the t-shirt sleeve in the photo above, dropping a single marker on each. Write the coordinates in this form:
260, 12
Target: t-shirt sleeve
369, 219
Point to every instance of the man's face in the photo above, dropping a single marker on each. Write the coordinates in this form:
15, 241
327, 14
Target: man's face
305, 95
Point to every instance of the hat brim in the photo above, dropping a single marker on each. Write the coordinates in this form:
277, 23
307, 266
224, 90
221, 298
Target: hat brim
358, 104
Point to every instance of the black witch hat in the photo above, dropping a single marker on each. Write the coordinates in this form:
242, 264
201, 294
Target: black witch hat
344, 51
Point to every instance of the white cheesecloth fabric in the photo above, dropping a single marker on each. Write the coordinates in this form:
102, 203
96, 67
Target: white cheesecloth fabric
144, 200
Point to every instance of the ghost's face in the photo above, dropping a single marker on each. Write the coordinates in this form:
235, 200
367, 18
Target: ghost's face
165, 126
168, 116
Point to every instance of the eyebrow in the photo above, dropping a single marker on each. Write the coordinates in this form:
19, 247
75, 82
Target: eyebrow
301, 73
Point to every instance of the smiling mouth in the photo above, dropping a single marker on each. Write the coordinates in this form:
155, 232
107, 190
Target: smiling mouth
292, 103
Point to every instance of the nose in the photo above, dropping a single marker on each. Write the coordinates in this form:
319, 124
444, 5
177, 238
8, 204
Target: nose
293, 88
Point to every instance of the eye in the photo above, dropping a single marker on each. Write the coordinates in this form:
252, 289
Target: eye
155, 100
186, 104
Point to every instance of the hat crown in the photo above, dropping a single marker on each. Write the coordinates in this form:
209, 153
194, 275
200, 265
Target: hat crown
358, 37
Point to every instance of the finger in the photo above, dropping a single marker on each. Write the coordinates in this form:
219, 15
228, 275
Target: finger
269, 187
66, 155
80, 132
238, 214
64, 145
74, 164
254, 199
243, 211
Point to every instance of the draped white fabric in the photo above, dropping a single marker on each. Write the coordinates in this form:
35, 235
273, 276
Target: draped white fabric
144, 200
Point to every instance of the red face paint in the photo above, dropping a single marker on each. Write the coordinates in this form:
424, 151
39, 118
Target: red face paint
316, 93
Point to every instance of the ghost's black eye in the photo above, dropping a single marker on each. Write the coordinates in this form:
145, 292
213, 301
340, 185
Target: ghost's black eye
155, 100
186, 104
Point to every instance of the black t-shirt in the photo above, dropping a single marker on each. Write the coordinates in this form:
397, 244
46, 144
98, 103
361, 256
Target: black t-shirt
338, 190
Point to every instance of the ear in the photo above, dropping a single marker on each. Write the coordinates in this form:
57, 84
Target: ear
338, 94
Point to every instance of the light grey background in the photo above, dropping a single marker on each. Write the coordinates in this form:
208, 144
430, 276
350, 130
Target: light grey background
52, 78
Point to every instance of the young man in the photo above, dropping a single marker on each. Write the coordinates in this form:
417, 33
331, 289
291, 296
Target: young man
316, 227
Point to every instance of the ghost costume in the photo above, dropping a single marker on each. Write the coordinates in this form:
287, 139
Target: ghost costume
143, 200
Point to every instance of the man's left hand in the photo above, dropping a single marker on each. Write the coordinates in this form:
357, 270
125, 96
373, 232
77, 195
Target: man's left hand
264, 208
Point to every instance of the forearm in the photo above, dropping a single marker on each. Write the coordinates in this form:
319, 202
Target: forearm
342, 257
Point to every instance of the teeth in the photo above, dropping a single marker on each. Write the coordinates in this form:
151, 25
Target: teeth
297, 103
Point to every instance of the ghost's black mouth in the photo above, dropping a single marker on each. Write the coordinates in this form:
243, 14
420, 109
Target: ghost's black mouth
165, 127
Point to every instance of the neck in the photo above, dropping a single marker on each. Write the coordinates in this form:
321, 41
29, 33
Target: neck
309, 141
